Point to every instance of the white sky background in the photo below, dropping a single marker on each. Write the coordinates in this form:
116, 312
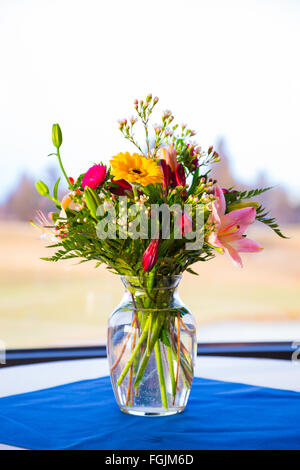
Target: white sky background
227, 68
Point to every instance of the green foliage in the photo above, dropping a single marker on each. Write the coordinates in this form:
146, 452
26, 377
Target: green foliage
237, 196
262, 216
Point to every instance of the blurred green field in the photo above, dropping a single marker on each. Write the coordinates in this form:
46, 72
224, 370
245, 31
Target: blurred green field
47, 304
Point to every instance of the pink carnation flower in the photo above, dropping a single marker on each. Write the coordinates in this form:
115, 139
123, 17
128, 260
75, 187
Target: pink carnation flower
94, 176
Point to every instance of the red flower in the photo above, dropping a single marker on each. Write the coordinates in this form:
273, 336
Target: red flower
150, 255
123, 188
94, 176
167, 172
185, 223
180, 175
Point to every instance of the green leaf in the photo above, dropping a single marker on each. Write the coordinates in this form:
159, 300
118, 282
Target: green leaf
254, 192
191, 271
237, 196
261, 216
55, 189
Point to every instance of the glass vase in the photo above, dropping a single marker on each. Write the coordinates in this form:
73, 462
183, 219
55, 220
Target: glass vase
151, 347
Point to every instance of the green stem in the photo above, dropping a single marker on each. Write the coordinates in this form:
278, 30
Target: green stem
161, 375
145, 360
62, 168
171, 367
134, 189
186, 372
53, 199
134, 352
149, 333
147, 137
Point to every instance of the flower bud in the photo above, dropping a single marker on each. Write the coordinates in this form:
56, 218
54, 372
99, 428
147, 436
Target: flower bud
120, 188
56, 136
150, 256
42, 188
180, 175
167, 173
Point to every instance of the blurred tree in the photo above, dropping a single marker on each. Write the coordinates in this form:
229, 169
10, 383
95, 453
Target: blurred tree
24, 201
277, 199
222, 170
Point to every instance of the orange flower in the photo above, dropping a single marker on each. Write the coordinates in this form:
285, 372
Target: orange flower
136, 169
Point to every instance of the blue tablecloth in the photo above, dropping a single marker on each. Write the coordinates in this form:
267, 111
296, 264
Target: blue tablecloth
219, 415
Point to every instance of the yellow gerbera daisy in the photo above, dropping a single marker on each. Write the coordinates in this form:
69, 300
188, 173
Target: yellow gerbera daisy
136, 169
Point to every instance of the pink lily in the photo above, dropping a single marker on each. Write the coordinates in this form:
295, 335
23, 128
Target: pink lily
230, 228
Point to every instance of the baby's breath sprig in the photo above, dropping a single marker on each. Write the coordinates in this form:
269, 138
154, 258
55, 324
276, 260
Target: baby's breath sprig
144, 110
163, 131
127, 131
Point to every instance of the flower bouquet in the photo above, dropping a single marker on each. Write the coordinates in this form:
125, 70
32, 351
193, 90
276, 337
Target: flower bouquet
149, 216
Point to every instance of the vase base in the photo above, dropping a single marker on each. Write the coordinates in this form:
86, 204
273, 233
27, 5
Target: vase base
152, 413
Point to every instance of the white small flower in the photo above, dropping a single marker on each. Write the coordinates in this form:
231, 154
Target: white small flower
107, 205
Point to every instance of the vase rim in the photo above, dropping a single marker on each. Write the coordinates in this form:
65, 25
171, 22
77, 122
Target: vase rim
156, 276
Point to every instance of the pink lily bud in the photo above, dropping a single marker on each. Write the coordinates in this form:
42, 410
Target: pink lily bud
167, 172
150, 256
180, 175
168, 154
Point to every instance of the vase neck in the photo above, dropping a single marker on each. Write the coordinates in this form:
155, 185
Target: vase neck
151, 283
156, 292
